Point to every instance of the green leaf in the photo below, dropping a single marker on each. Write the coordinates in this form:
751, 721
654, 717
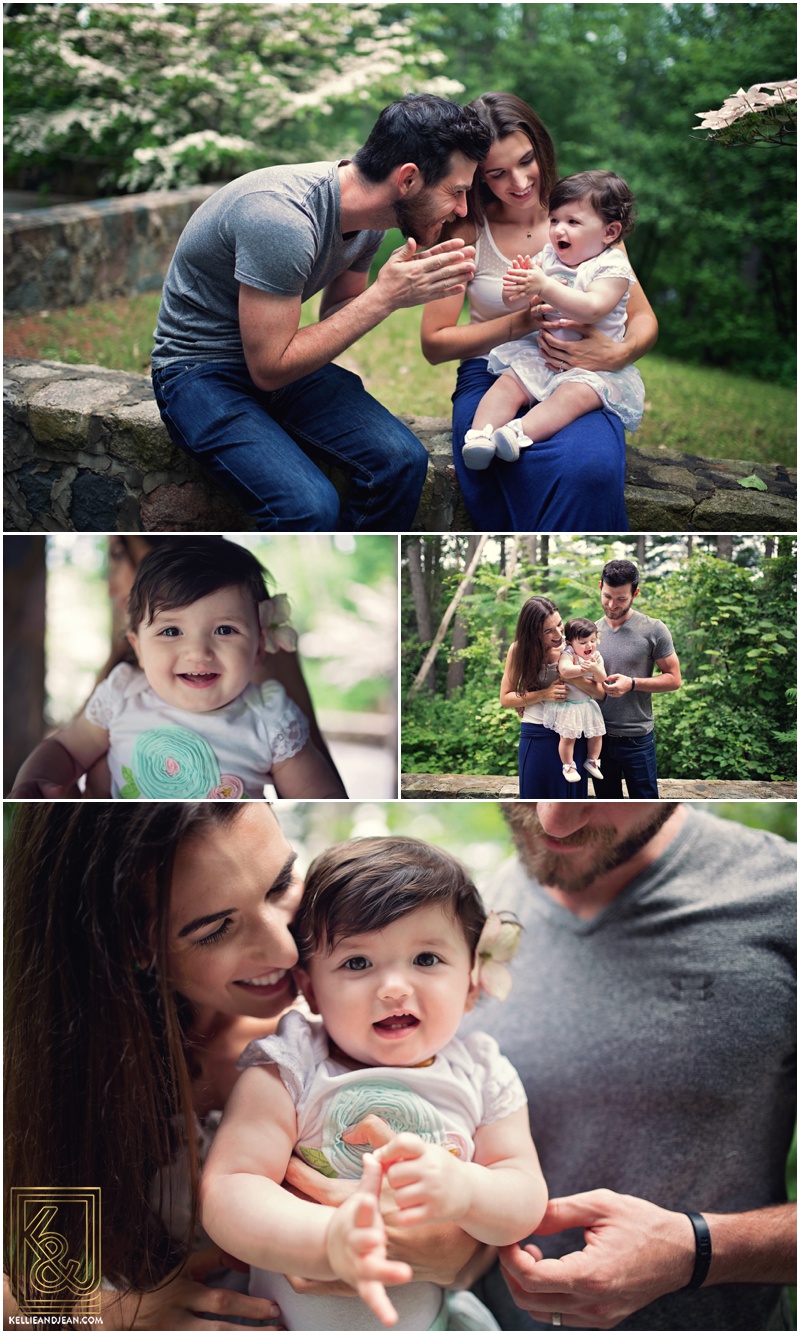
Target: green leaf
753, 483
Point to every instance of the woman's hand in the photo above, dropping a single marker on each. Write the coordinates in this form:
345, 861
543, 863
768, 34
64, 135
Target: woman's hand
593, 351
357, 1245
186, 1302
555, 693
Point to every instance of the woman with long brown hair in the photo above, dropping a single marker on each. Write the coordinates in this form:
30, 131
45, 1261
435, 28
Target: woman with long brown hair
575, 481
531, 679
145, 945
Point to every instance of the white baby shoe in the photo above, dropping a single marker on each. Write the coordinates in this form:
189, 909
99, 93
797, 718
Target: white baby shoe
509, 440
479, 449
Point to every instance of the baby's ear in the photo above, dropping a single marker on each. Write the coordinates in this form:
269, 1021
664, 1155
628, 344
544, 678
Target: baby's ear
613, 232
304, 983
133, 640
472, 995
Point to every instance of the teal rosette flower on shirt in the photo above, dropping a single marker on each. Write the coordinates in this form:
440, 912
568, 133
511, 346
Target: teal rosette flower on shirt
174, 762
396, 1104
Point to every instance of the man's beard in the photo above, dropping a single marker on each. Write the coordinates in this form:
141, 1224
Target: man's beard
551, 869
417, 218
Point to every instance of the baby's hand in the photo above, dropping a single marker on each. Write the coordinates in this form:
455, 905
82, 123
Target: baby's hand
356, 1243
430, 1185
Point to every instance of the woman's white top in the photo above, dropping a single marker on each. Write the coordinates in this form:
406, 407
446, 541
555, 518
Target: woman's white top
159, 751
468, 1084
485, 292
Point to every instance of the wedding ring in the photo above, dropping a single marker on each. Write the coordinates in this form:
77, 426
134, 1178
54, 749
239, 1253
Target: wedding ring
562, 367
556, 1319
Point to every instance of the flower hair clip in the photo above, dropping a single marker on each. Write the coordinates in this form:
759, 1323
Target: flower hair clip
497, 946
277, 633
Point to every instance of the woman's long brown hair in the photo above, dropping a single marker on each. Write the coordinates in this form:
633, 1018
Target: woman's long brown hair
97, 1088
527, 661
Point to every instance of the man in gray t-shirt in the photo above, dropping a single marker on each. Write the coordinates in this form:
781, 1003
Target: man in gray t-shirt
632, 645
256, 398
652, 1020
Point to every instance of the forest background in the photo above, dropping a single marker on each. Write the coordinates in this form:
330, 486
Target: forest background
729, 602
112, 98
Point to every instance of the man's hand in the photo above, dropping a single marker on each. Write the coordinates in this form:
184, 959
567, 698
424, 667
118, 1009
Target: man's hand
409, 278
429, 1184
617, 685
356, 1243
635, 1252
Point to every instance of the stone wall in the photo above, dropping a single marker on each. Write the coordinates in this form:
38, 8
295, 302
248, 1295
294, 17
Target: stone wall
449, 787
85, 450
74, 253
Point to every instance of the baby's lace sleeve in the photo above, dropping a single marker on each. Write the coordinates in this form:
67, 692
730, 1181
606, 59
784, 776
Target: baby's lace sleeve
612, 265
286, 725
496, 1078
106, 699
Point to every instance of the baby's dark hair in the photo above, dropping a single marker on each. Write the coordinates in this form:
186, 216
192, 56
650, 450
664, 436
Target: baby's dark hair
605, 192
580, 628
177, 574
368, 883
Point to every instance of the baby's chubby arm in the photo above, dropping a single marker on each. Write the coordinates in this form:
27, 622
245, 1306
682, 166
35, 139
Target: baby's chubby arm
497, 1198
307, 774
247, 1212
59, 761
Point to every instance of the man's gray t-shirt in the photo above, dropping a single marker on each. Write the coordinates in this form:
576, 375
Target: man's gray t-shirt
277, 229
633, 649
657, 1045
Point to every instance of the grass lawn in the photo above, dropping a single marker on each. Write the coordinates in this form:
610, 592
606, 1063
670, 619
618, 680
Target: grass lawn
690, 408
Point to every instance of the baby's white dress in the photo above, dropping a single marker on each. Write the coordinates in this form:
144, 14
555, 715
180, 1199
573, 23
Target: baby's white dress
577, 715
159, 751
622, 392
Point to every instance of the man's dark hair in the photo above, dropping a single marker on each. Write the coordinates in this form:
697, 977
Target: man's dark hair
425, 130
604, 191
368, 883
619, 572
180, 573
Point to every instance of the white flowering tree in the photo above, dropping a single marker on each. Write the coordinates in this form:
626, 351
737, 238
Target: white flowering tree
152, 96
765, 114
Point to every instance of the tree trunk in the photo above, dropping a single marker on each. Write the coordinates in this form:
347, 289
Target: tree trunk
430, 657
544, 551
769, 548
419, 593
640, 549
456, 667
725, 546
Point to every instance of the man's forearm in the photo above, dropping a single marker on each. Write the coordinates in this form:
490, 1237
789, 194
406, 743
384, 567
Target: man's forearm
757, 1247
317, 345
657, 685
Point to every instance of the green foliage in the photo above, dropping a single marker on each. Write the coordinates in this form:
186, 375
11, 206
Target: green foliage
735, 636
143, 96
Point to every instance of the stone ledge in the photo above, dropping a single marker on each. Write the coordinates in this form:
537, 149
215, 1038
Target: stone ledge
74, 253
85, 449
475, 787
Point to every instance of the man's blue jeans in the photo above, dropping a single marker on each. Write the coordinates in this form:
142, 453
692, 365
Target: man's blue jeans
265, 446
632, 758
